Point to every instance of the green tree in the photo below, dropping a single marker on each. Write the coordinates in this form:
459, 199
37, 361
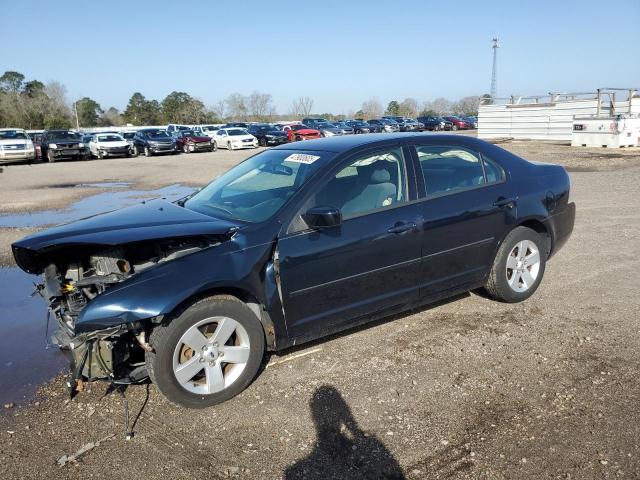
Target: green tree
393, 108
141, 111
33, 88
89, 112
180, 107
11, 81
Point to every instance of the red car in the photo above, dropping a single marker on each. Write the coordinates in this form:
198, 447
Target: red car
301, 132
459, 123
189, 141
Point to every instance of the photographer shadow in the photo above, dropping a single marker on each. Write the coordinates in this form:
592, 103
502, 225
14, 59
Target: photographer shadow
342, 449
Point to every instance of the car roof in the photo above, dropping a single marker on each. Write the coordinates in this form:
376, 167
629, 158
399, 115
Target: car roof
344, 143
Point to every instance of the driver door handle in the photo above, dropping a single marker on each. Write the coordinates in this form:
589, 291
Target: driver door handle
505, 202
402, 227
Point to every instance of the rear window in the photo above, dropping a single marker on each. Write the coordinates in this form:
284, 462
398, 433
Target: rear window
449, 169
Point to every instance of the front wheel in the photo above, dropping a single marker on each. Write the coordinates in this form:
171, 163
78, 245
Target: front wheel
185, 148
214, 146
229, 147
207, 354
51, 157
518, 267
147, 151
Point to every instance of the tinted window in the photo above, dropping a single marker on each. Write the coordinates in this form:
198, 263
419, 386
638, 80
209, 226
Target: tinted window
13, 135
447, 169
492, 170
371, 182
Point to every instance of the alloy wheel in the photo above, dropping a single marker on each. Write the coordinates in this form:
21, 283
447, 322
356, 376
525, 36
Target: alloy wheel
523, 266
211, 355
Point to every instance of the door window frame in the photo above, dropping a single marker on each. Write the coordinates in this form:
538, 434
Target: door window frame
410, 181
419, 175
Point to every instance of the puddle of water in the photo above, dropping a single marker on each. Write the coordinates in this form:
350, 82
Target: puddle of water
25, 363
88, 206
104, 185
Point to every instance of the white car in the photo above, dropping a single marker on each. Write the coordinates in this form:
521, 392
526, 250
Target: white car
234, 138
206, 130
15, 145
104, 145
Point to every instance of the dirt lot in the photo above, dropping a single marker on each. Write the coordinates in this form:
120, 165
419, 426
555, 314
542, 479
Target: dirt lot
468, 389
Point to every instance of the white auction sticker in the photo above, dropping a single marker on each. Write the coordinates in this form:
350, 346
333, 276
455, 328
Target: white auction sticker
301, 158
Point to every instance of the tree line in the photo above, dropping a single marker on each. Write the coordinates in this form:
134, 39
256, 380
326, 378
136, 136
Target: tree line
33, 105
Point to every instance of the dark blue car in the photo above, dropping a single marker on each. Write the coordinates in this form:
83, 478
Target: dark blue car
295, 243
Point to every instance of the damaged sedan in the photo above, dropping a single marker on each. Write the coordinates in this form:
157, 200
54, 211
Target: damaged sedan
293, 244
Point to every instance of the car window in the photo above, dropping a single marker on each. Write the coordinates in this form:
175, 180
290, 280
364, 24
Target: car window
493, 172
371, 182
447, 169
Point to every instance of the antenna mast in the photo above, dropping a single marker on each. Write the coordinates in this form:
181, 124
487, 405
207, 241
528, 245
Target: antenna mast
494, 72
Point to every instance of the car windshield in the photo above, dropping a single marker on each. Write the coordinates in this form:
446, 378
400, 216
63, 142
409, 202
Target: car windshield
325, 125
157, 133
128, 135
13, 135
110, 138
257, 188
189, 133
64, 135
237, 131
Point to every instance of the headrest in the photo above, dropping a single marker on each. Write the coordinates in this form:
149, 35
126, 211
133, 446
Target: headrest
380, 175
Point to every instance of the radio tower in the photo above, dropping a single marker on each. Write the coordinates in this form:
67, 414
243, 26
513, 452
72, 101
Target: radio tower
494, 72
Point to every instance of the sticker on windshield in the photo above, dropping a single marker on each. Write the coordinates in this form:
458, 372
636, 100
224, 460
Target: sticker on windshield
301, 158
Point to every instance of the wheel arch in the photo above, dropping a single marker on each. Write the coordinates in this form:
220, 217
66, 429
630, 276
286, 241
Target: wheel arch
539, 227
256, 307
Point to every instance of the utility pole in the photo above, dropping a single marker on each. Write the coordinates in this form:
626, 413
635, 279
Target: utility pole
75, 109
494, 72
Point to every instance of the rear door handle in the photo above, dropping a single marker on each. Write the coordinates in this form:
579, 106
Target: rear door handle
402, 227
505, 202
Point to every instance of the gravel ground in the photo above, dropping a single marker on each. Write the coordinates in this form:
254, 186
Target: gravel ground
466, 389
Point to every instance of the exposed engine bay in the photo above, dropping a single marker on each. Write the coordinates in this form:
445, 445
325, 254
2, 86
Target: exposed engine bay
79, 274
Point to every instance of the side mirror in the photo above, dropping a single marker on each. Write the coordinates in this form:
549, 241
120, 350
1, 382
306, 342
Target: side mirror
319, 218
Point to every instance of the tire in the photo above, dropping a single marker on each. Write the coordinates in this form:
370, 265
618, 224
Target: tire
214, 146
454, 128
509, 284
170, 352
229, 147
135, 151
147, 151
262, 142
50, 157
185, 148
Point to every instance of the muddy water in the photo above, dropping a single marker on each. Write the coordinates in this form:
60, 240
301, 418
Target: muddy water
92, 205
24, 361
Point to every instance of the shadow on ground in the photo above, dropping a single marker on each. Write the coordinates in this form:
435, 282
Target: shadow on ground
342, 450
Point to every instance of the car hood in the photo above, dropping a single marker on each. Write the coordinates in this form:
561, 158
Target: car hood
275, 133
122, 143
150, 220
198, 139
160, 140
14, 141
307, 131
241, 137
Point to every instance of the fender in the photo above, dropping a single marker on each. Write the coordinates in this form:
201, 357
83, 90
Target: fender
159, 290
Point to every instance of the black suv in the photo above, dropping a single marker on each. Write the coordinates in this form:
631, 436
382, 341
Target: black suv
62, 144
268, 135
151, 141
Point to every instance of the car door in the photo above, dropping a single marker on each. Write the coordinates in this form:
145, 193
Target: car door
466, 209
335, 277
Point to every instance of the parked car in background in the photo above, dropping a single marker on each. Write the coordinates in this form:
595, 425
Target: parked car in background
299, 131
173, 127
236, 125
344, 127
292, 245
36, 138
128, 136
207, 130
435, 123
152, 141
385, 125
104, 145
313, 122
268, 135
190, 141
15, 145
459, 123
359, 126
327, 129
472, 120
63, 145
234, 138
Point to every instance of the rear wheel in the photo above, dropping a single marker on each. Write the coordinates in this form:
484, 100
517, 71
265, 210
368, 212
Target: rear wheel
207, 354
518, 267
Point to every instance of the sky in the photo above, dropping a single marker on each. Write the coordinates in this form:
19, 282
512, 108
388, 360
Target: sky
340, 53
